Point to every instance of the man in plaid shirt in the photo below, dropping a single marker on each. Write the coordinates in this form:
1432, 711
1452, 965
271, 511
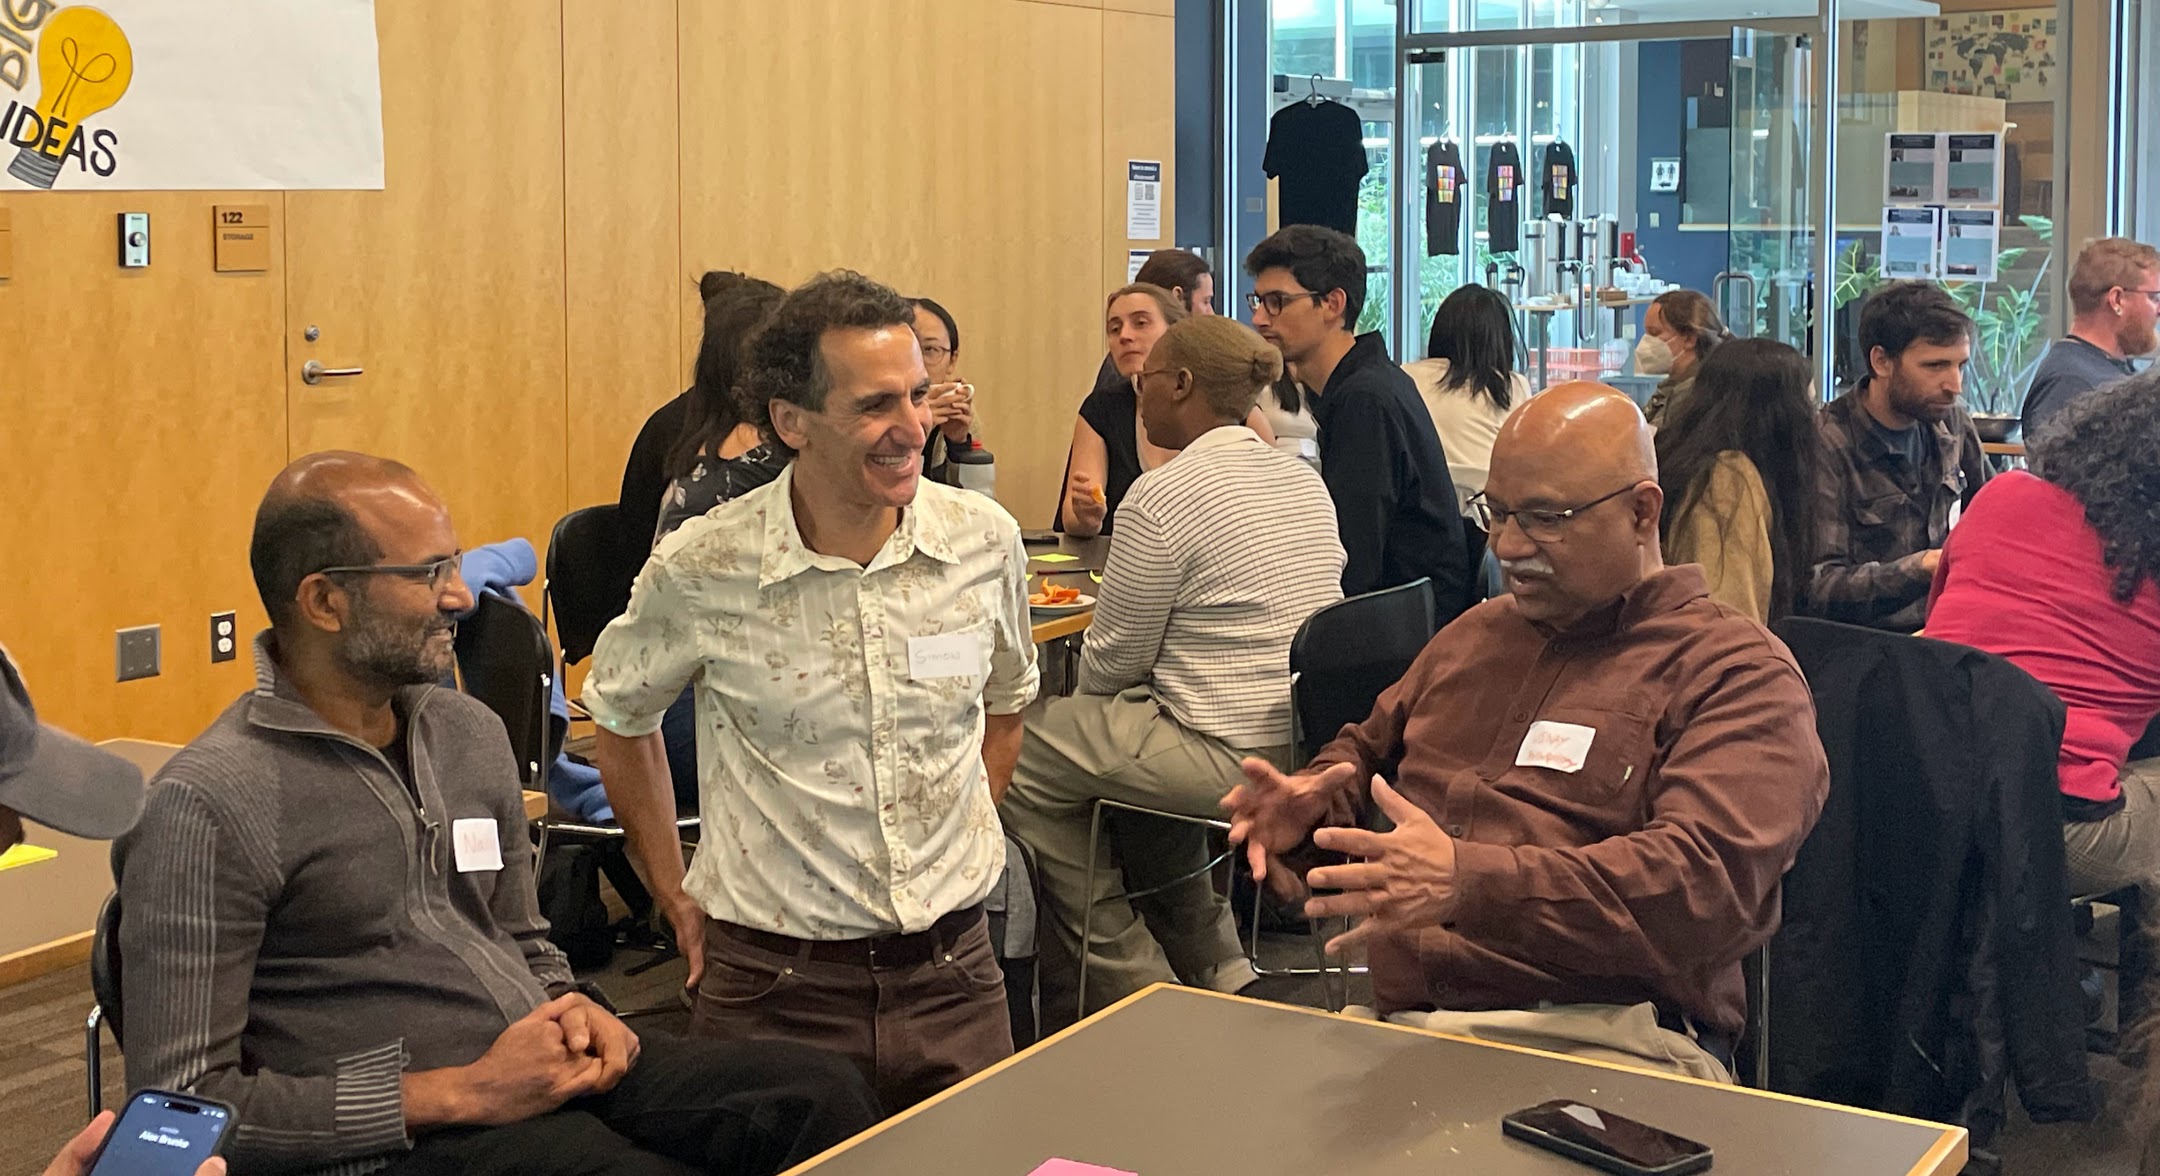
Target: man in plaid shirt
1901, 459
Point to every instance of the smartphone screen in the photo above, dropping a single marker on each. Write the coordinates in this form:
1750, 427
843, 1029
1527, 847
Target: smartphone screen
162, 1134
1637, 1144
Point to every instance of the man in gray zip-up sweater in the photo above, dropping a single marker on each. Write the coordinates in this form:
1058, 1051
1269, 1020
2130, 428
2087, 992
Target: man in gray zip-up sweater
328, 910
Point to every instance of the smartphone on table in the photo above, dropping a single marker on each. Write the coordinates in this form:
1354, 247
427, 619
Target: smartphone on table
1605, 1141
160, 1133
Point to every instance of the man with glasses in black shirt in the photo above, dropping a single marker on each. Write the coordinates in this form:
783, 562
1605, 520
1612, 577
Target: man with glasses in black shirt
1381, 459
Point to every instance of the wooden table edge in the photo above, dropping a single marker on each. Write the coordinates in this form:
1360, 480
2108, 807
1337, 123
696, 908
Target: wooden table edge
536, 804
1943, 1158
1064, 626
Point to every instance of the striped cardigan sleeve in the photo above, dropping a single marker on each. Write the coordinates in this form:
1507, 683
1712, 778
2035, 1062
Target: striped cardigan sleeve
196, 883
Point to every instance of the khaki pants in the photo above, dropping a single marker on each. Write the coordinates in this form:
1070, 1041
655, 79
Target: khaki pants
912, 1031
1124, 747
2122, 849
1626, 1035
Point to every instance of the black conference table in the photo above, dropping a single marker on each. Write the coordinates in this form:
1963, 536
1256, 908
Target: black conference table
1178, 1082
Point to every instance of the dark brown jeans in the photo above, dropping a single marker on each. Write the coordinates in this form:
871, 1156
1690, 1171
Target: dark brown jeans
913, 1030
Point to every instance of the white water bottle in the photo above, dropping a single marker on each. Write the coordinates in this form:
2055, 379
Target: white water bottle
974, 468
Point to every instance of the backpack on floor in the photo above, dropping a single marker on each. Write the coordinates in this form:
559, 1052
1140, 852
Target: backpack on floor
570, 901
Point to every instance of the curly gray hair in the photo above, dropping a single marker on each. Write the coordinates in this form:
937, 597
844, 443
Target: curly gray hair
2105, 449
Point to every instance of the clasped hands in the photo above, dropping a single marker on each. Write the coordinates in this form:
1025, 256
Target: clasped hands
1402, 881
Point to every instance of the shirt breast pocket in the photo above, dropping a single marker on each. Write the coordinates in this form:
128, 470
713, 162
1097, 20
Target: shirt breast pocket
1612, 766
1879, 511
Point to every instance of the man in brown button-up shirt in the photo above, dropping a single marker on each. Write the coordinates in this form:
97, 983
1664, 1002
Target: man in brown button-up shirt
1602, 776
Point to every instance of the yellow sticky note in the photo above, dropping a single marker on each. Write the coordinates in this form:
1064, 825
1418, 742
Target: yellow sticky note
25, 855
1095, 576
1057, 557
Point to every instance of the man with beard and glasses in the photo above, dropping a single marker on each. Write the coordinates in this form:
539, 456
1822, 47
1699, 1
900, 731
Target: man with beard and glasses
858, 640
2115, 294
1901, 459
1599, 779
328, 909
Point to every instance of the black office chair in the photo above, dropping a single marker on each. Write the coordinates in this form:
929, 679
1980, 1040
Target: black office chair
105, 986
505, 661
585, 586
1341, 660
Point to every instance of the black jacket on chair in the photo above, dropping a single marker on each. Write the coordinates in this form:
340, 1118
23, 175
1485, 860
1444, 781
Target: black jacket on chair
1927, 953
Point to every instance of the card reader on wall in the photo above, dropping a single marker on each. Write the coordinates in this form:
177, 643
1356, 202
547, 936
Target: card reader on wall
134, 240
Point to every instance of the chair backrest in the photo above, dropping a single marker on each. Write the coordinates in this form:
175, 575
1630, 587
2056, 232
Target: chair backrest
105, 963
1346, 654
587, 585
504, 660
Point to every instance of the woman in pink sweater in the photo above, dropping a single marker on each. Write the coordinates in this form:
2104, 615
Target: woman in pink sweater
2058, 570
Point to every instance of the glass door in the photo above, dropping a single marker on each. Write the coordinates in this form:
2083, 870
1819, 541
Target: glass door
1767, 288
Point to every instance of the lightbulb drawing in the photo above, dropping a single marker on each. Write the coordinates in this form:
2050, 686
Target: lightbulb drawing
84, 66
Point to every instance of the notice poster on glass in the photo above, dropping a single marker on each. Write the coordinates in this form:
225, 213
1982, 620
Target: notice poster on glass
1908, 242
1912, 169
1969, 244
1143, 199
1973, 169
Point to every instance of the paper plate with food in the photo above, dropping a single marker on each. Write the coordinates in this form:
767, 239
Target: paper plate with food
1057, 600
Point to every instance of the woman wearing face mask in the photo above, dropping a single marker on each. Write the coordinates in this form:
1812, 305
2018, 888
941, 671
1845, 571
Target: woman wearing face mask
1109, 447
1679, 329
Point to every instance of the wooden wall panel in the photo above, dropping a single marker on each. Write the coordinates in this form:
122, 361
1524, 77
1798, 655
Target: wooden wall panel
622, 238
1018, 221
138, 434
1139, 122
947, 147
447, 286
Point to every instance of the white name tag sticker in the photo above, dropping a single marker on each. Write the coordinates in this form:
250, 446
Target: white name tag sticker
476, 843
947, 655
1563, 747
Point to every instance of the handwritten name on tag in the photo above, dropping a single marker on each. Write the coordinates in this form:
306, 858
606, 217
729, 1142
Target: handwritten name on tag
476, 843
1563, 747
947, 655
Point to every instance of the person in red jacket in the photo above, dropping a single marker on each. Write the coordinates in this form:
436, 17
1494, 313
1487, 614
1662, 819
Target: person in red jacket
2058, 570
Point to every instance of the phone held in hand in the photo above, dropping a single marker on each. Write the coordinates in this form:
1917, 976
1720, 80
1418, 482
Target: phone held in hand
160, 1133
1605, 1141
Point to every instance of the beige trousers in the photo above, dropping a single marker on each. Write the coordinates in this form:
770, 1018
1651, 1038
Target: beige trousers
1625, 1035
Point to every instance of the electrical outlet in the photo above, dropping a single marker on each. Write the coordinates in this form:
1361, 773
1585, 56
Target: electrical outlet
224, 636
138, 652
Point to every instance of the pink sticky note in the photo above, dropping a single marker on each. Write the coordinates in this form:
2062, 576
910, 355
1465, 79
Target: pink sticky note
1076, 1168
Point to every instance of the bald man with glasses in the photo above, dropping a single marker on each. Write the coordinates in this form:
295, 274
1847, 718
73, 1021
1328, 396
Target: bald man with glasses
1598, 780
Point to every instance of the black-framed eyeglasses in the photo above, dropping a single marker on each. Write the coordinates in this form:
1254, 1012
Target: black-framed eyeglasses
1542, 526
1275, 300
937, 351
2151, 295
436, 574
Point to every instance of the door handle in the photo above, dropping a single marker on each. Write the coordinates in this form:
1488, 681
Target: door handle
313, 372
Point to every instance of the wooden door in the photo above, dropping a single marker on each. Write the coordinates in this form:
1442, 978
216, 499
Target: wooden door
446, 288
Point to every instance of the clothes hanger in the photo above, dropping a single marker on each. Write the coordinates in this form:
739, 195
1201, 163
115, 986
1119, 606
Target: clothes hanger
1313, 97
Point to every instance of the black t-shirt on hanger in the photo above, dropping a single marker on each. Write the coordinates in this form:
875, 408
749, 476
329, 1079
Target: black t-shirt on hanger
1443, 198
1318, 152
1503, 198
1557, 179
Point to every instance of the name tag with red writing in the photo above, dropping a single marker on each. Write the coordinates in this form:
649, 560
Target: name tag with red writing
1563, 747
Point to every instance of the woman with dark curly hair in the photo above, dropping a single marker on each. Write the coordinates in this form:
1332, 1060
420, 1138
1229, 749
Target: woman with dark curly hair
2059, 571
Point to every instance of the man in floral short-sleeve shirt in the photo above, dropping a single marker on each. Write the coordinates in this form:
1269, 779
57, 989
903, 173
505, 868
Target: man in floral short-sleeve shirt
859, 639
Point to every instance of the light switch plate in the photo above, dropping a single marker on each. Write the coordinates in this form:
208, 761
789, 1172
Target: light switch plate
138, 653
134, 240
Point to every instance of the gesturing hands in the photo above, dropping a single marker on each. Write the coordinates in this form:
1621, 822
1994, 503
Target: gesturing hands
1272, 812
1406, 882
